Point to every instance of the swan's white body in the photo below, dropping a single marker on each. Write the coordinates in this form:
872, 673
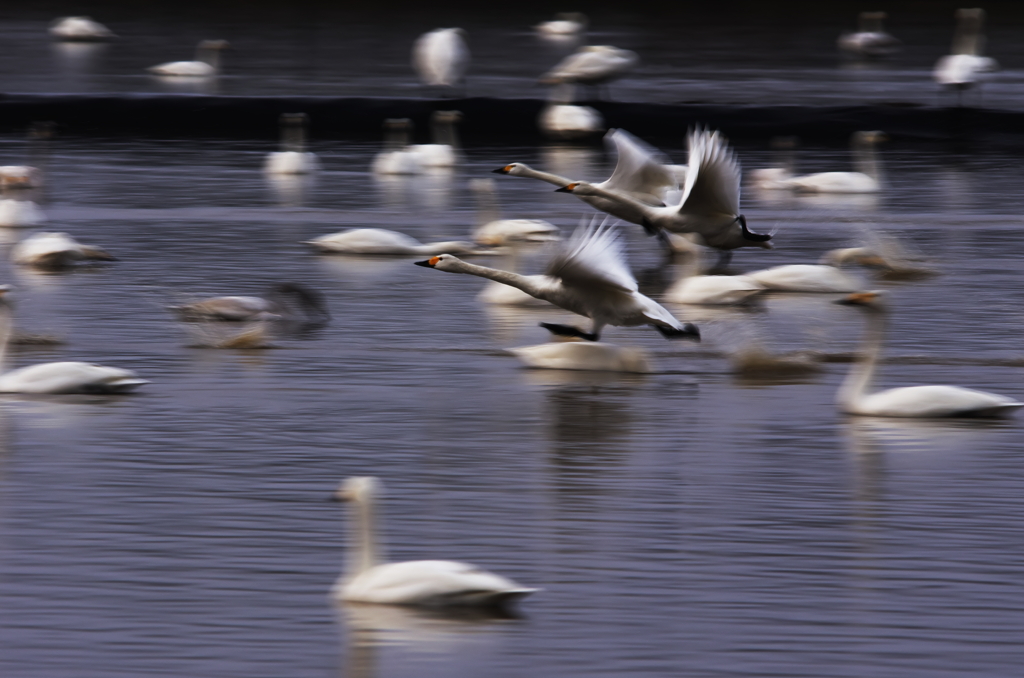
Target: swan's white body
566, 24
431, 583
491, 229
708, 205
910, 401
714, 290
441, 57
397, 157
806, 278
284, 302
965, 65
870, 40
20, 213
867, 178
206, 63
589, 277
385, 242
60, 377
570, 121
20, 176
591, 356
291, 162
444, 151
54, 251
641, 172
592, 65
80, 29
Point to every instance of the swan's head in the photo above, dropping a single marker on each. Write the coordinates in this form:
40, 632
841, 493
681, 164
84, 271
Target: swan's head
515, 169
869, 300
214, 44
357, 488
870, 137
442, 262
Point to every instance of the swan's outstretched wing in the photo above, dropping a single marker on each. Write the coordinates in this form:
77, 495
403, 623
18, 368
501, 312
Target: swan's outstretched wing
641, 170
713, 179
593, 257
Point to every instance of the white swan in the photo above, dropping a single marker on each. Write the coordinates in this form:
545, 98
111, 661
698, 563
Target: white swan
20, 213
416, 582
441, 57
562, 119
80, 29
641, 172
293, 158
909, 401
592, 65
55, 251
867, 178
206, 63
20, 176
564, 24
965, 65
589, 276
396, 158
380, 241
806, 278
444, 152
491, 229
714, 290
579, 355
285, 301
870, 39
708, 205
61, 377
772, 178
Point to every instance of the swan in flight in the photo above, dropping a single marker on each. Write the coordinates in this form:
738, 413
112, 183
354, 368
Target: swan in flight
641, 172
491, 229
441, 57
55, 251
293, 158
430, 583
564, 24
286, 301
380, 241
965, 65
61, 377
580, 355
867, 178
910, 401
397, 158
708, 205
20, 176
80, 29
20, 213
444, 152
592, 65
206, 64
588, 276
870, 39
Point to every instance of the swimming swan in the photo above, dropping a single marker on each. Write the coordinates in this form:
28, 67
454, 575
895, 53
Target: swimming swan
563, 119
708, 205
285, 301
806, 278
396, 158
206, 64
641, 172
80, 29
564, 24
20, 176
60, 377
20, 213
867, 178
588, 276
491, 229
870, 39
965, 65
293, 158
428, 583
909, 401
589, 356
379, 241
441, 57
55, 251
444, 152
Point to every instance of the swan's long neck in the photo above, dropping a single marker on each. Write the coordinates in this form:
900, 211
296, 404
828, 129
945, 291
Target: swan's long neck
5, 332
507, 277
526, 171
862, 371
209, 55
444, 131
866, 159
367, 552
293, 134
621, 198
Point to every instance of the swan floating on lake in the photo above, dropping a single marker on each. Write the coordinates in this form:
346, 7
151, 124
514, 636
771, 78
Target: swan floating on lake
441, 57
430, 583
285, 301
564, 24
589, 276
444, 152
965, 64
870, 39
563, 119
397, 158
20, 176
55, 251
580, 355
910, 401
293, 158
20, 213
806, 278
380, 241
867, 178
206, 63
80, 29
59, 377
491, 229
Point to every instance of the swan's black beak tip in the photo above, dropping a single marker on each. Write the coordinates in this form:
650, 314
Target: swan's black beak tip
425, 263
563, 189
500, 170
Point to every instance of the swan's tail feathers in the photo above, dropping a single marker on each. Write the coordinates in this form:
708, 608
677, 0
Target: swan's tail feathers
688, 331
569, 331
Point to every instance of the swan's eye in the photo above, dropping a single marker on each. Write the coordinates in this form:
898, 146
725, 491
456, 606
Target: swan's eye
434, 261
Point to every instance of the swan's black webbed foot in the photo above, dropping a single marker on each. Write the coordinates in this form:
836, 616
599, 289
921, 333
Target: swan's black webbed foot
689, 331
569, 331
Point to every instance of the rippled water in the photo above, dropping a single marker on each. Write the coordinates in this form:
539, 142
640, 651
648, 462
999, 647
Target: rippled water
688, 522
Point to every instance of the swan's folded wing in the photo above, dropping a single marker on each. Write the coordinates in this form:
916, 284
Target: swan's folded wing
427, 582
593, 257
713, 179
641, 170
